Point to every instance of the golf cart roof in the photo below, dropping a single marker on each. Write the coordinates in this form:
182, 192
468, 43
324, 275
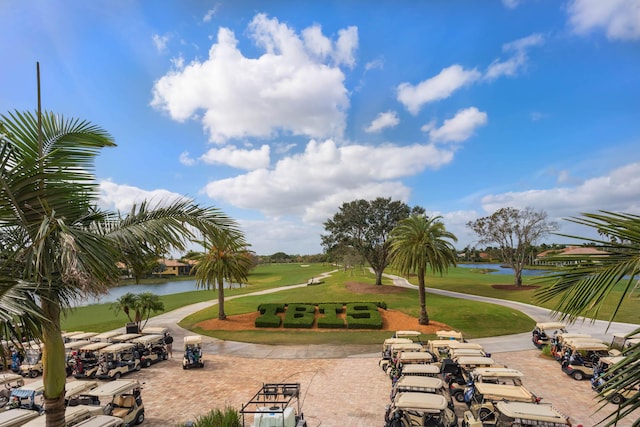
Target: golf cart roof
124, 337
475, 361
504, 391
405, 334
73, 388
113, 388
73, 345
417, 368
589, 345
17, 417
192, 339
419, 382
424, 402
611, 360
531, 411
414, 346
83, 336
67, 335
115, 348
497, 373
147, 339
390, 341
105, 336
154, 330
456, 353
546, 326
451, 335
417, 356
29, 390
471, 345
72, 414
95, 346
102, 421
9, 378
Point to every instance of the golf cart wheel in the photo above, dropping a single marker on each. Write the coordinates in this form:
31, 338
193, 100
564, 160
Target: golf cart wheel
577, 375
616, 399
459, 397
33, 374
184, 366
116, 376
201, 364
147, 363
139, 418
484, 414
165, 356
138, 367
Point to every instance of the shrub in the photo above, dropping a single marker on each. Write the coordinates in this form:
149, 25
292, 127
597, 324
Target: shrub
363, 316
299, 316
330, 318
268, 321
218, 418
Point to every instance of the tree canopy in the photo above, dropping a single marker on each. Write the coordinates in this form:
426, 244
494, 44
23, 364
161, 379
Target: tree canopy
365, 226
515, 232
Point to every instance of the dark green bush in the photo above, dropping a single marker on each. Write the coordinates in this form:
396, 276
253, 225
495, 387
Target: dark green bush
268, 321
299, 316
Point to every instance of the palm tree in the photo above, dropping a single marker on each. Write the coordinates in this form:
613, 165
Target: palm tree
53, 237
226, 257
419, 242
586, 282
147, 303
126, 303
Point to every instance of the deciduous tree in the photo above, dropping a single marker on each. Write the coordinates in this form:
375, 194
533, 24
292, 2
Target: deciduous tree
515, 232
365, 226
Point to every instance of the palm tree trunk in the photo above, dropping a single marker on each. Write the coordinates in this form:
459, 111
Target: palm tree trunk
378, 276
424, 317
54, 368
221, 315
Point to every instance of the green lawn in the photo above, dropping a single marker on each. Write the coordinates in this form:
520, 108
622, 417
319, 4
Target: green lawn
472, 318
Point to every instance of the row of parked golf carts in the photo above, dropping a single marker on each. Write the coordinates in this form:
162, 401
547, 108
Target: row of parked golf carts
583, 356
433, 380
87, 403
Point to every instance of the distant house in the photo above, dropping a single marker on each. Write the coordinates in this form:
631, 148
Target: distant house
172, 267
571, 252
125, 271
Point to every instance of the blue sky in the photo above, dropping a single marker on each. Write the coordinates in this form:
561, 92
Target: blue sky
278, 112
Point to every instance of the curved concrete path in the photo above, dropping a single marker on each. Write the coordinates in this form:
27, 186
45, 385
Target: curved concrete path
506, 343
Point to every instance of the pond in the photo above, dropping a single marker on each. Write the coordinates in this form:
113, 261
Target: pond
165, 288
499, 269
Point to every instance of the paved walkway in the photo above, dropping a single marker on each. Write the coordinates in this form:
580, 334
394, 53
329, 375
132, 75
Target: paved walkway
506, 343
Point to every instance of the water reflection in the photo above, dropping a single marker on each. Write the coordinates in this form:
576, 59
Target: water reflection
498, 269
166, 288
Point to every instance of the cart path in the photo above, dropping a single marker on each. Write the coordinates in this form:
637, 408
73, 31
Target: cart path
506, 343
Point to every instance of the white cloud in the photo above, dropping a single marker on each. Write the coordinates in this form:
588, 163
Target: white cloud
160, 42
382, 121
459, 128
313, 184
237, 158
122, 197
511, 4
187, 160
287, 90
210, 14
436, 88
511, 66
266, 236
375, 64
618, 191
620, 19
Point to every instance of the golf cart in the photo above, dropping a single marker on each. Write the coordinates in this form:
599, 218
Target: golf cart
485, 375
410, 409
581, 357
508, 414
29, 396
421, 385
406, 358
449, 335
482, 398
417, 370
72, 416
155, 330
32, 365
152, 349
120, 398
105, 336
386, 350
86, 360
272, 405
16, 417
542, 332
73, 390
192, 352
117, 360
9, 382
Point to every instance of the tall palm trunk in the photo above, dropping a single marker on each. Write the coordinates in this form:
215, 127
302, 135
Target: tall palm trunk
422, 294
221, 314
54, 369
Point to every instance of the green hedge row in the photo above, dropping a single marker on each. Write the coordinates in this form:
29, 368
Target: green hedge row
362, 315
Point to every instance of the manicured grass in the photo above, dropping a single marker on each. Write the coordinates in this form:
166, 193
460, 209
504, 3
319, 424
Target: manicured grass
473, 319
